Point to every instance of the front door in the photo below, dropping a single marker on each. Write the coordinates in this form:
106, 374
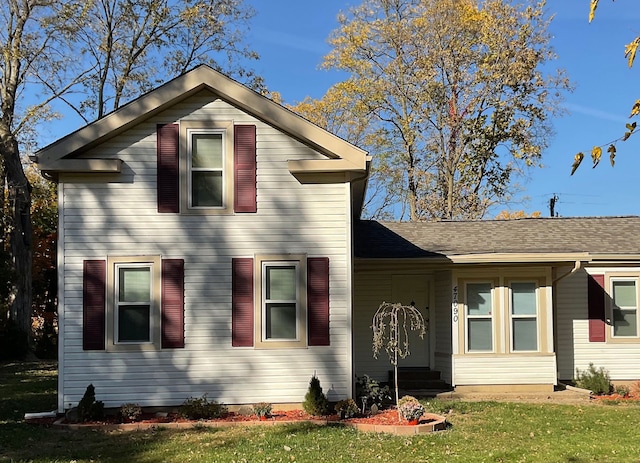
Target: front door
413, 290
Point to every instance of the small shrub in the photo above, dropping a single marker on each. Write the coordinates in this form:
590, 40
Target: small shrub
130, 412
410, 408
369, 389
88, 408
262, 408
202, 409
315, 402
623, 391
346, 408
245, 410
595, 380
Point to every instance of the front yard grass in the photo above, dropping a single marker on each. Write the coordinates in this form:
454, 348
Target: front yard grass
479, 432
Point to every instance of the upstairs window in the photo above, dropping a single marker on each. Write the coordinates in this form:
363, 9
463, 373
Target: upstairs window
206, 152
206, 167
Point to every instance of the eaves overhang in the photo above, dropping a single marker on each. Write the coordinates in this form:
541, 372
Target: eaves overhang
53, 158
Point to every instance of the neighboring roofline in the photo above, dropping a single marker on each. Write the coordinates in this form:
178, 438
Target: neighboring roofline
511, 258
53, 158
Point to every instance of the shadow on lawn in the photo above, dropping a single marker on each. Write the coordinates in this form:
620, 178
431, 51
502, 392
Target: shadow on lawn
31, 387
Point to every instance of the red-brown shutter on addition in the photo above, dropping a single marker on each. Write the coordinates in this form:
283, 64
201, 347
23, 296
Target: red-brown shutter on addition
93, 304
596, 311
318, 301
242, 302
172, 303
244, 166
168, 186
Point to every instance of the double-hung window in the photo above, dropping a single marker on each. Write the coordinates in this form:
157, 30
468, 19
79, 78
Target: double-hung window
206, 166
524, 316
625, 307
280, 305
479, 317
281, 309
206, 150
133, 303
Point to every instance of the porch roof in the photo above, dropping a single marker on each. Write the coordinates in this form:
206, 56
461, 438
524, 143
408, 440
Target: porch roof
587, 239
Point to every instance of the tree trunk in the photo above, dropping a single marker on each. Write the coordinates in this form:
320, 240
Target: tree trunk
19, 223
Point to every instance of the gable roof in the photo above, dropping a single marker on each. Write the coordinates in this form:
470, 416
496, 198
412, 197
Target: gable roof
588, 239
61, 155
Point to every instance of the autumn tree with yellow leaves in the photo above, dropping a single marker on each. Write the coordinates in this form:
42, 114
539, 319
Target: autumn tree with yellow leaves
449, 96
630, 51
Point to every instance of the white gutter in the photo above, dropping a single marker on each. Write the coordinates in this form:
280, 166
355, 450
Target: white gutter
577, 266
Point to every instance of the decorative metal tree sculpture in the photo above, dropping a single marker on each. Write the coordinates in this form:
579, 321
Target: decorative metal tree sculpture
391, 326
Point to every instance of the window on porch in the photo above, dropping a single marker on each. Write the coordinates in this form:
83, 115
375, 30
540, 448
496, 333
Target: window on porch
479, 317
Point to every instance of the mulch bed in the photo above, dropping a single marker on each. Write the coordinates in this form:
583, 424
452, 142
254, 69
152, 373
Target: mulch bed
385, 417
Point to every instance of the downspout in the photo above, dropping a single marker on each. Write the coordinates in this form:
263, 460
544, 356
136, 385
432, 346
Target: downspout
577, 266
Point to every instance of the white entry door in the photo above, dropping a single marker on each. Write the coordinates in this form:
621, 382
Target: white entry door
413, 290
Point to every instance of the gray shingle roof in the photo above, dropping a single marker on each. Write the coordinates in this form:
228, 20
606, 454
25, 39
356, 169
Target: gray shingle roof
596, 235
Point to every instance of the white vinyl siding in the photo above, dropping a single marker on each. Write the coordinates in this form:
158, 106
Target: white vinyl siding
107, 215
480, 370
442, 327
371, 288
574, 350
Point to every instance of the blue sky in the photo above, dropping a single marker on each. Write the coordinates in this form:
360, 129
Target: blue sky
290, 36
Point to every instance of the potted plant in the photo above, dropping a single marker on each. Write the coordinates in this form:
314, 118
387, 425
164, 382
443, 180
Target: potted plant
346, 408
262, 410
410, 409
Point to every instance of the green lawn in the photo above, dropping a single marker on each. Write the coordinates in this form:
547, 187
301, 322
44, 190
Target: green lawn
479, 432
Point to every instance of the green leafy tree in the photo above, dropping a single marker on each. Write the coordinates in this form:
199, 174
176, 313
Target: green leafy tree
455, 97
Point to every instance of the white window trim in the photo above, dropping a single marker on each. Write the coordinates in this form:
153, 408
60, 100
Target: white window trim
225, 154
113, 264
265, 301
261, 262
187, 128
117, 303
468, 317
613, 279
513, 316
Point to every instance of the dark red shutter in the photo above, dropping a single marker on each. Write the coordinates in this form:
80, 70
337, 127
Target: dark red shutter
172, 303
242, 302
93, 304
318, 300
596, 294
168, 181
244, 166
